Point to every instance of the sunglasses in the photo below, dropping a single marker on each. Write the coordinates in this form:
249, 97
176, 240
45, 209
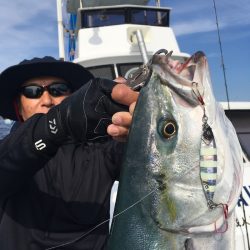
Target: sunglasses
56, 89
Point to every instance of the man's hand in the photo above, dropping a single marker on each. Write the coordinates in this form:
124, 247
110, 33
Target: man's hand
86, 114
121, 121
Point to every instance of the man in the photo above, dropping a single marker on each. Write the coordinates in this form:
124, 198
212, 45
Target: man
58, 166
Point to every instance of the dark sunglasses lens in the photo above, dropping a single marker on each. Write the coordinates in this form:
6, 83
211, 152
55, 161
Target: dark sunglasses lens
59, 89
32, 91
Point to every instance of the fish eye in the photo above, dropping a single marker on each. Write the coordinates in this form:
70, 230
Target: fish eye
169, 129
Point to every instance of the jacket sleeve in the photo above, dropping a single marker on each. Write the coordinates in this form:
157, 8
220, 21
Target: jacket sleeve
114, 155
21, 155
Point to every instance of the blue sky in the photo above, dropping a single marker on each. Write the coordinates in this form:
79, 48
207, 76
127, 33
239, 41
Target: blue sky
194, 24
29, 28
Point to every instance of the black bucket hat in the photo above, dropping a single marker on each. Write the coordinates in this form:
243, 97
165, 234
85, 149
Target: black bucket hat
13, 77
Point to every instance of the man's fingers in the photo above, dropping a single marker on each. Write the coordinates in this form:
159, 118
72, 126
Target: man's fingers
120, 79
117, 131
123, 94
122, 119
132, 108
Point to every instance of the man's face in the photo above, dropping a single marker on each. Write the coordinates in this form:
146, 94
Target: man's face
42, 104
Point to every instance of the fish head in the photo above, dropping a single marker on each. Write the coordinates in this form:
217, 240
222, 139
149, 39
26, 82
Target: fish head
177, 114
177, 97
160, 189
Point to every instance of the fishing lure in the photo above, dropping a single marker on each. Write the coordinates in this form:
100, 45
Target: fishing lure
208, 163
208, 155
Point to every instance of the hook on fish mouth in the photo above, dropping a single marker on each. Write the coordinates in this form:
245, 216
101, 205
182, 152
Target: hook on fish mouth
197, 56
167, 53
139, 77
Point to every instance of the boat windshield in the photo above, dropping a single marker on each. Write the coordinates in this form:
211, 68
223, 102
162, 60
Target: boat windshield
108, 71
127, 15
241, 121
104, 71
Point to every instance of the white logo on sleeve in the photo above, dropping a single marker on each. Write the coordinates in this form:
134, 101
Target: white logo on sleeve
40, 145
52, 126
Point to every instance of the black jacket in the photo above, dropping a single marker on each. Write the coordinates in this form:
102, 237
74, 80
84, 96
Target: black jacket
53, 198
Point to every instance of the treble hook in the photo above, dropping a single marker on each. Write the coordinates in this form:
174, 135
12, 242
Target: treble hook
197, 93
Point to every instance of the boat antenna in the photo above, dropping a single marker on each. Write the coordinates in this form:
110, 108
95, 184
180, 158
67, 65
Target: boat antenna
221, 53
157, 2
60, 30
72, 36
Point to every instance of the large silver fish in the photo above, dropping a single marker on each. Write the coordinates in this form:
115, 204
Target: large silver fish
182, 171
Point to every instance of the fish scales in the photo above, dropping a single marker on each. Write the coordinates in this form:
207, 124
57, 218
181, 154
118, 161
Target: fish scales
161, 202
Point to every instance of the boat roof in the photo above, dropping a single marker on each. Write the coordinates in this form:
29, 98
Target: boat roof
235, 105
72, 6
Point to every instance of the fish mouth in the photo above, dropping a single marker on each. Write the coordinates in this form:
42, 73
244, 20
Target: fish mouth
183, 79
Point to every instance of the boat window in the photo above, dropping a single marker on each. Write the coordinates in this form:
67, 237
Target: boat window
97, 18
103, 71
244, 139
149, 17
115, 16
126, 68
241, 121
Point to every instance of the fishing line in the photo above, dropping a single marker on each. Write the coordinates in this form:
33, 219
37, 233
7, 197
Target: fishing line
221, 54
244, 214
242, 234
122, 212
105, 221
